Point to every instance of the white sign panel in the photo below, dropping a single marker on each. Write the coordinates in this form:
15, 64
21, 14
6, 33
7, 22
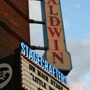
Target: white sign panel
35, 78
57, 54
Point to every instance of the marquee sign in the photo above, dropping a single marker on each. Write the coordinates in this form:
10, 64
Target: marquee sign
35, 78
54, 39
25, 50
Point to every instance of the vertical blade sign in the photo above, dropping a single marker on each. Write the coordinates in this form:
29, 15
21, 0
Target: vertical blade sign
57, 54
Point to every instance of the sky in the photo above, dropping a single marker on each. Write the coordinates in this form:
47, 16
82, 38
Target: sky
76, 20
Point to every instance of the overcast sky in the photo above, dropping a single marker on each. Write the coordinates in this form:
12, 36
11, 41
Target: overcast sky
76, 19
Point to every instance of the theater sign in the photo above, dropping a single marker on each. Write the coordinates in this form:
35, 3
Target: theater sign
54, 39
37, 73
35, 78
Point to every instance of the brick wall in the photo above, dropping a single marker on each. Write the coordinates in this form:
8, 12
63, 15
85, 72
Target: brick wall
14, 26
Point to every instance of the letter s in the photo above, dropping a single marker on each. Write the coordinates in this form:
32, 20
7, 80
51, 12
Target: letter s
22, 45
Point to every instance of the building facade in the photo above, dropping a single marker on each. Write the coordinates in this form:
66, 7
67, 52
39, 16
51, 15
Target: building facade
14, 25
20, 67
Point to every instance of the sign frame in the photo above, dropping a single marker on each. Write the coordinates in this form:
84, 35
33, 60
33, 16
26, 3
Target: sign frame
39, 68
